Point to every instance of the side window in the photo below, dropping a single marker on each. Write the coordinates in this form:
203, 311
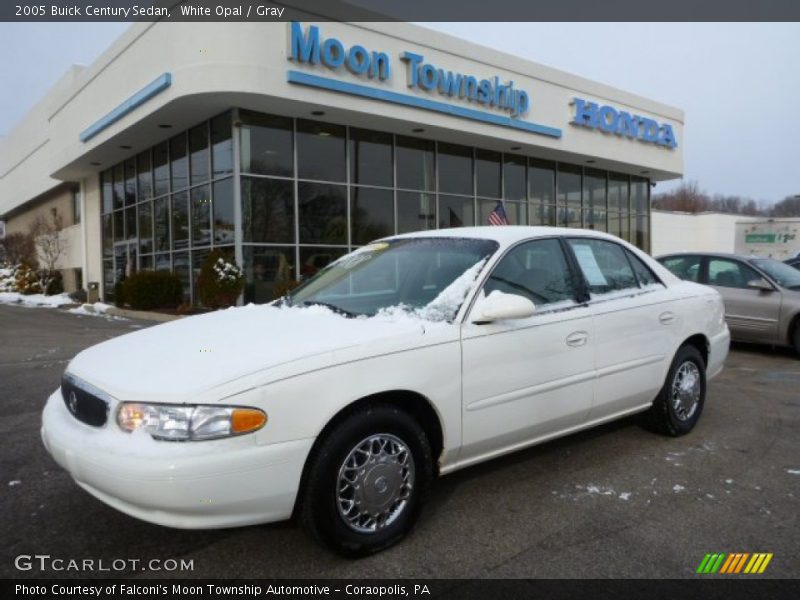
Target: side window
604, 265
685, 267
643, 272
537, 270
729, 273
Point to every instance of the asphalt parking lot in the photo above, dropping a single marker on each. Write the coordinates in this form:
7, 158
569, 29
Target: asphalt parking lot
617, 501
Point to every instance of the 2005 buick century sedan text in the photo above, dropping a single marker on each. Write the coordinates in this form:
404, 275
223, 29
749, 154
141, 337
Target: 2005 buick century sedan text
411, 357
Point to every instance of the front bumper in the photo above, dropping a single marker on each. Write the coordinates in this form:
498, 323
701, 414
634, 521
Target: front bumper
190, 485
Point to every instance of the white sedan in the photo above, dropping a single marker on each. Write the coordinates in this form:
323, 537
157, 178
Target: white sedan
409, 358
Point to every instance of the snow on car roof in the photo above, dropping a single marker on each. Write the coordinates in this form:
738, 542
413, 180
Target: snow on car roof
506, 234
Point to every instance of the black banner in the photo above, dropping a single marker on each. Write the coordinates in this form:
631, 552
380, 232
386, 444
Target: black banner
479, 589
399, 10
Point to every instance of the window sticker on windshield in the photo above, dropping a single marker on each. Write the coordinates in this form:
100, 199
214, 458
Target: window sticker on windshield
377, 247
363, 254
588, 262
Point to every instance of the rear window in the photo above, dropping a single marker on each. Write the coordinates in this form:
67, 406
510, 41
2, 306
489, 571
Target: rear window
685, 267
643, 272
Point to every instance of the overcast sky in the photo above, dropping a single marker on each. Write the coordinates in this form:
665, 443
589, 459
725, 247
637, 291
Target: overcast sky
738, 83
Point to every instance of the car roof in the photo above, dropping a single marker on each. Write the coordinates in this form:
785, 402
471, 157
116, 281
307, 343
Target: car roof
505, 234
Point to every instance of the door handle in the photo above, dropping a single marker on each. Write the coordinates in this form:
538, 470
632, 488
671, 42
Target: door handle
666, 318
577, 338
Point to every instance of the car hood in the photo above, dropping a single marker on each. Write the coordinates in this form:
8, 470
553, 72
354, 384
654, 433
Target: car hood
182, 360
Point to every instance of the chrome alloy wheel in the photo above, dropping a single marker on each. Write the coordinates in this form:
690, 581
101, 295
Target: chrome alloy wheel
686, 389
375, 483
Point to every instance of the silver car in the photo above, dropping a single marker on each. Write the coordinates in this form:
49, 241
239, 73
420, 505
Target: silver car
761, 295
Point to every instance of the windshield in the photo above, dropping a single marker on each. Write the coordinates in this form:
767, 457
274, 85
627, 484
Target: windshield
428, 275
783, 274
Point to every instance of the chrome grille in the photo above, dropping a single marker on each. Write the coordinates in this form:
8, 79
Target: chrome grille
84, 406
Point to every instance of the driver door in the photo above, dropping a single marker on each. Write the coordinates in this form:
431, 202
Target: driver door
751, 314
524, 379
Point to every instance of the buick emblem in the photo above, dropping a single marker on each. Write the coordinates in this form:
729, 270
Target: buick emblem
73, 403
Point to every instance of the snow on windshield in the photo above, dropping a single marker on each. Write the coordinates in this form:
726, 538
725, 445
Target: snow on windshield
445, 306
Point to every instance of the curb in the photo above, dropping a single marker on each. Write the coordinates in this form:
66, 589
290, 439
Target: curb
142, 315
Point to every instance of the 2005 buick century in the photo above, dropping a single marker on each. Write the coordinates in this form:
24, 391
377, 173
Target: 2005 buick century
407, 359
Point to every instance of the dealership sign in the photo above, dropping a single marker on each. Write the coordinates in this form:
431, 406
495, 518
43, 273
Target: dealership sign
621, 123
435, 88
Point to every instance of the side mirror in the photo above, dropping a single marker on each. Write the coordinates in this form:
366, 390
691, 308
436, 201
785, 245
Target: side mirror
498, 306
761, 285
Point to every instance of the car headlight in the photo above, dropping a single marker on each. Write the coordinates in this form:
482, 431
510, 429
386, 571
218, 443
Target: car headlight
181, 422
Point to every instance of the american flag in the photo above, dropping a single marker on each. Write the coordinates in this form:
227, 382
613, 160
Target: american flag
498, 215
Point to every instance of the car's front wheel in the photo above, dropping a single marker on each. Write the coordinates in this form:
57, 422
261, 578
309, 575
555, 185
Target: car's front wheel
678, 406
367, 480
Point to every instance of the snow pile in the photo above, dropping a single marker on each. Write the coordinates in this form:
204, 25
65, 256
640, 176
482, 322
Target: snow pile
35, 299
98, 309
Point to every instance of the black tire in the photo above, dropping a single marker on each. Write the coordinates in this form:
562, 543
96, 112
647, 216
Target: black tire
796, 337
663, 416
320, 512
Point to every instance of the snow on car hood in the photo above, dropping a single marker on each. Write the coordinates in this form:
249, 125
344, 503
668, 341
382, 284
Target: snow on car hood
176, 361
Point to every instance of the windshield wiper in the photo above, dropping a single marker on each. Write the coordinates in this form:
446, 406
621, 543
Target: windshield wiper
333, 307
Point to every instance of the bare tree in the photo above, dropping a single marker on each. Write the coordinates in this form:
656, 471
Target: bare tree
50, 245
688, 197
18, 248
788, 207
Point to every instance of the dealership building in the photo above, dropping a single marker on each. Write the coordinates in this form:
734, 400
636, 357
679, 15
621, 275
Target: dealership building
290, 144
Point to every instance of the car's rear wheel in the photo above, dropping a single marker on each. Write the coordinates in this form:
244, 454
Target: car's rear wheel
678, 406
367, 480
796, 336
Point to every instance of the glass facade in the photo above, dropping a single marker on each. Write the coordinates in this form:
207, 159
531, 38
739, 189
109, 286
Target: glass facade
307, 192
167, 206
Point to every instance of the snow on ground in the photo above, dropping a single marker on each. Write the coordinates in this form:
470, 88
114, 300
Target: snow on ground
592, 489
98, 309
793, 471
35, 299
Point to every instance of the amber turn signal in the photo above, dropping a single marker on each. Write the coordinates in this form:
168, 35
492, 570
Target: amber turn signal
244, 420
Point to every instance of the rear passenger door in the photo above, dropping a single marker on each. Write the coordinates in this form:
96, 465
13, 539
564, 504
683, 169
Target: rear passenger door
635, 323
